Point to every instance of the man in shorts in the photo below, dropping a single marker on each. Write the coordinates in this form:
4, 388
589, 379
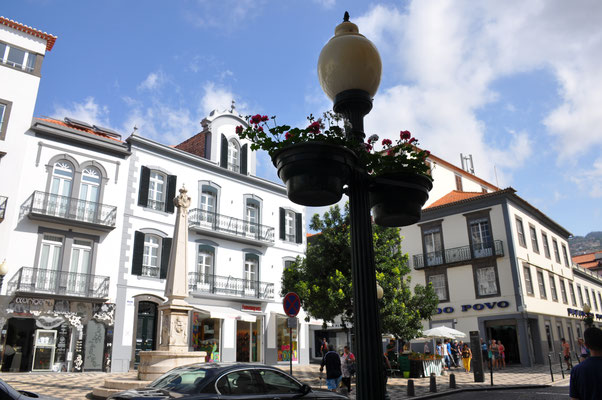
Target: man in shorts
332, 361
566, 352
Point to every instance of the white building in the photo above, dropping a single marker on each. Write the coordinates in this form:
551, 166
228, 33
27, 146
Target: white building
87, 230
501, 267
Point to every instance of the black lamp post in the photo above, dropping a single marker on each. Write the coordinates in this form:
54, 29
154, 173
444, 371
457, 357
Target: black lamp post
349, 70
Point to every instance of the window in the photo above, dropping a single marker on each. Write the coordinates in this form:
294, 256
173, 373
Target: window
233, 156
150, 255
528, 280
439, 282
157, 190
546, 245
594, 300
239, 383
291, 226
534, 243
565, 255
486, 281
542, 286
433, 245
587, 299
79, 267
89, 194
205, 262
458, 183
600, 300
252, 216
565, 300
288, 263
572, 290
50, 257
553, 288
5, 107
556, 252
286, 349
580, 294
208, 204
521, 232
60, 189
549, 337
17, 58
251, 271
480, 237
279, 383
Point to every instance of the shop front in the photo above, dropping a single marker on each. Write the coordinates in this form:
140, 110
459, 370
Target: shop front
287, 343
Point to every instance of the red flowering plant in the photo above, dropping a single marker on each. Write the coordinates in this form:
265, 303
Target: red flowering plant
265, 134
401, 156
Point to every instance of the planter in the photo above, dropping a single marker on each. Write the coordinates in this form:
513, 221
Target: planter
314, 173
397, 199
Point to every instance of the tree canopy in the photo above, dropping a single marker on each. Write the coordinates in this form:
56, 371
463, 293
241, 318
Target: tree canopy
323, 278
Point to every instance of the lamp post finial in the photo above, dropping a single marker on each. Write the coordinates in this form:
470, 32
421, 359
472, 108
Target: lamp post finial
346, 17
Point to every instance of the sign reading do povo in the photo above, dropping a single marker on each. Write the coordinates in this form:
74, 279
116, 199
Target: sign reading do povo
477, 307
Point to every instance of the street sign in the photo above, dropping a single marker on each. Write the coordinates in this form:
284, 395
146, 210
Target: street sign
291, 304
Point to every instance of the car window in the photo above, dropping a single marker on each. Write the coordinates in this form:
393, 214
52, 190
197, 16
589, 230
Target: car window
279, 383
182, 380
237, 383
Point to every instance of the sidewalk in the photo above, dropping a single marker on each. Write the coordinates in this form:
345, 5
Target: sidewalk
76, 386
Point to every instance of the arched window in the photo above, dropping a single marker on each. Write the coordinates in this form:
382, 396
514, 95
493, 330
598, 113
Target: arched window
62, 178
151, 258
251, 272
208, 204
89, 194
205, 262
156, 190
233, 155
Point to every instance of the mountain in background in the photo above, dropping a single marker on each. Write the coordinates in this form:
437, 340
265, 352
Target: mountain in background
586, 244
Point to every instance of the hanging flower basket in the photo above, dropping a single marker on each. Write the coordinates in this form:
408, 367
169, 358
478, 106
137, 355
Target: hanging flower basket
397, 199
314, 172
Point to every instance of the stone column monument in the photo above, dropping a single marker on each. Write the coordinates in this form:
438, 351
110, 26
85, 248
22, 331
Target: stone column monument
173, 347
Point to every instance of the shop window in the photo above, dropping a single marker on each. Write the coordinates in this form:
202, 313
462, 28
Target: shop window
528, 279
486, 281
5, 108
520, 232
206, 336
542, 285
556, 252
248, 341
286, 348
553, 291
572, 290
157, 190
291, 229
565, 300
546, 245
151, 255
439, 283
534, 243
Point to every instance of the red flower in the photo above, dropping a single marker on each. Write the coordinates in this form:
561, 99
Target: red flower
413, 140
239, 129
314, 127
390, 153
367, 146
260, 128
264, 118
255, 119
288, 135
404, 135
387, 142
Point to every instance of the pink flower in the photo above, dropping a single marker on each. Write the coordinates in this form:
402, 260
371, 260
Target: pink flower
239, 129
314, 127
288, 135
387, 142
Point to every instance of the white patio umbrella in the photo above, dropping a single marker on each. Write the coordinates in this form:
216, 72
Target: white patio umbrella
443, 332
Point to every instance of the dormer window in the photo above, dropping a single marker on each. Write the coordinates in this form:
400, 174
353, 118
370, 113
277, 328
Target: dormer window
234, 156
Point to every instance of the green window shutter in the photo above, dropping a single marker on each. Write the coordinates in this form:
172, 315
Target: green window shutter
282, 224
224, 153
171, 193
138, 253
143, 188
243, 159
165, 249
298, 228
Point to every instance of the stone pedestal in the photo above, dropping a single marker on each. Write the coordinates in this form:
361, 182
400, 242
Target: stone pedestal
153, 364
174, 327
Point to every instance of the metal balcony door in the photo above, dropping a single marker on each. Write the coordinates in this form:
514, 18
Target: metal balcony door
60, 189
79, 268
482, 242
48, 266
433, 246
89, 195
208, 208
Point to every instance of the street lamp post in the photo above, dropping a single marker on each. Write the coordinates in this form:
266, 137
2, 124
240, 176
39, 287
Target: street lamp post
349, 70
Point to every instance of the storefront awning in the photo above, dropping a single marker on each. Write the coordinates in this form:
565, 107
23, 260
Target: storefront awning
225, 313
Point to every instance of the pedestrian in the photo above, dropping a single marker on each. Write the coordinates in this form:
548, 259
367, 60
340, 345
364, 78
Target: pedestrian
450, 354
324, 347
466, 357
347, 367
456, 353
566, 352
494, 354
502, 353
427, 349
445, 353
584, 351
332, 361
586, 377
485, 353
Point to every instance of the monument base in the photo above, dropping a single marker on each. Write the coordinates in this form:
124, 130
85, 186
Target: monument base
155, 363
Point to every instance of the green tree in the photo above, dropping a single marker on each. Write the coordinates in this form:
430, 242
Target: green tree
323, 278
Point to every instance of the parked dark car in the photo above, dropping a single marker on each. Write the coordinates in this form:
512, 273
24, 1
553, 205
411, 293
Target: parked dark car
9, 392
226, 381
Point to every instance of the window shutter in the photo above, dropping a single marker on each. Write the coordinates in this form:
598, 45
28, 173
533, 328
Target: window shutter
138, 253
143, 189
171, 192
298, 228
224, 155
243, 159
282, 224
165, 249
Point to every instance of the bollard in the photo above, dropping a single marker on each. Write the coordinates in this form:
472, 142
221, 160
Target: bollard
551, 372
491, 370
433, 384
452, 381
561, 367
411, 391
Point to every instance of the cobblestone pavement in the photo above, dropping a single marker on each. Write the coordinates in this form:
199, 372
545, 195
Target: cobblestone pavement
72, 386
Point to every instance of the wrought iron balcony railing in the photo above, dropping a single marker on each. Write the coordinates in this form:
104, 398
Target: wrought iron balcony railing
459, 254
3, 202
47, 206
39, 280
210, 221
228, 285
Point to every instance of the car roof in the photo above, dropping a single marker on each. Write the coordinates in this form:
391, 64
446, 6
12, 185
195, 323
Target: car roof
223, 367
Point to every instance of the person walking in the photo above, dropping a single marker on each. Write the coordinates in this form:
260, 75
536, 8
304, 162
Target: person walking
332, 362
494, 354
485, 353
586, 377
502, 354
584, 351
566, 352
427, 349
324, 347
466, 357
450, 355
347, 367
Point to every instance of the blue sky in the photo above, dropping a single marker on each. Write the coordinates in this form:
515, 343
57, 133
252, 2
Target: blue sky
516, 84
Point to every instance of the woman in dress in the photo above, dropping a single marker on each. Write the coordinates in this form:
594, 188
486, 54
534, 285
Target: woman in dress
466, 357
502, 352
347, 366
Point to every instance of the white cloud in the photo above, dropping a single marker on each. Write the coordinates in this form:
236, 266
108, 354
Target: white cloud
153, 81
88, 111
217, 98
327, 4
225, 15
589, 180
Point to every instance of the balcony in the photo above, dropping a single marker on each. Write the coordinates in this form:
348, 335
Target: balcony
225, 227
227, 285
54, 208
3, 202
459, 255
62, 283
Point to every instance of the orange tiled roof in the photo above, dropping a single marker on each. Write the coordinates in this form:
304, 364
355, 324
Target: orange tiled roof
93, 132
50, 39
453, 196
588, 260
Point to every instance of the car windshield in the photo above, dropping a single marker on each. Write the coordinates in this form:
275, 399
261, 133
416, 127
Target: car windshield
183, 380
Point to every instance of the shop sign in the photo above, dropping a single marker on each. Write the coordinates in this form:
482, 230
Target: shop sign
572, 312
246, 307
476, 307
24, 305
